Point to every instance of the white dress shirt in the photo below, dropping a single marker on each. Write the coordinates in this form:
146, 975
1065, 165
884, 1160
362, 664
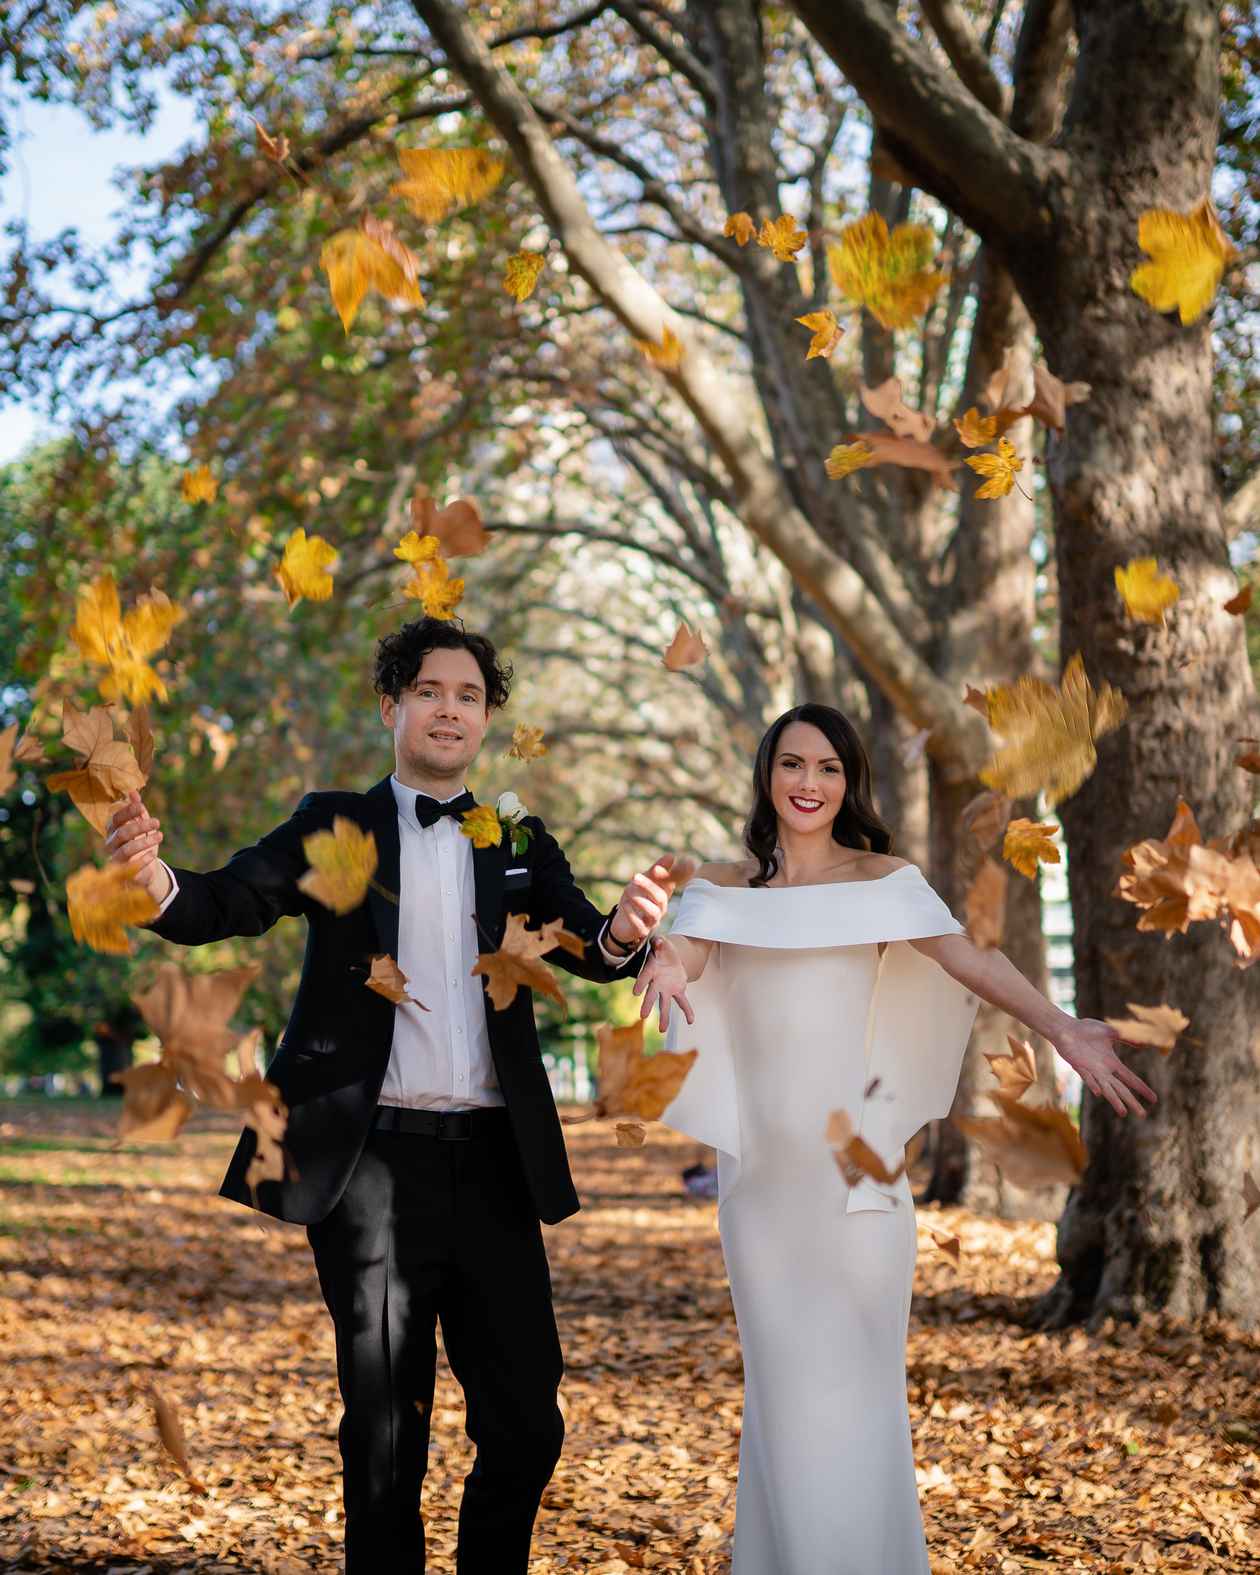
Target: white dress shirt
439, 1059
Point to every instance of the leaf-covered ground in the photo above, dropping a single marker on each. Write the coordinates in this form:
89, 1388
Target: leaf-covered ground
1138, 1449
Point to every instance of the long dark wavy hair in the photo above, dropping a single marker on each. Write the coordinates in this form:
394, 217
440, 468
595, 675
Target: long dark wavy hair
856, 824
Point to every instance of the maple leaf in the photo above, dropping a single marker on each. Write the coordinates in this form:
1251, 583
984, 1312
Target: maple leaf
987, 815
172, 1436
854, 1156
740, 228
457, 527
667, 355
433, 586
887, 449
415, 548
342, 862
266, 1113
521, 274
1147, 594
518, 962
1016, 1072
826, 330
303, 571
686, 649
1028, 843
482, 827
123, 644
439, 179
985, 904
382, 232
526, 743
1189, 252
154, 1110
1050, 733
783, 236
140, 737
1051, 398
634, 1084
108, 771
199, 485
889, 274
1150, 1025
189, 1013
101, 901
845, 458
886, 404
1000, 468
976, 430
388, 979
1032, 1145
357, 262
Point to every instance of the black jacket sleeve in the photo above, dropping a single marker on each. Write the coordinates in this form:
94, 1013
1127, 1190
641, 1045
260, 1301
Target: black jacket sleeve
556, 895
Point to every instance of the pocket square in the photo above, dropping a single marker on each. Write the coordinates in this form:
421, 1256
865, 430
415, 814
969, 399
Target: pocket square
516, 872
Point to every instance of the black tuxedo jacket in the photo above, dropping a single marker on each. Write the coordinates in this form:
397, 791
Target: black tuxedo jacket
335, 1050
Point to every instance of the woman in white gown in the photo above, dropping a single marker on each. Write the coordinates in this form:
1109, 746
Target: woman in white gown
823, 974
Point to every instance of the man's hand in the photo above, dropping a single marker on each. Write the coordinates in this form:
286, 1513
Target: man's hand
132, 836
642, 905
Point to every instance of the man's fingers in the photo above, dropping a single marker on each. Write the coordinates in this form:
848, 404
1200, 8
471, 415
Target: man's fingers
650, 889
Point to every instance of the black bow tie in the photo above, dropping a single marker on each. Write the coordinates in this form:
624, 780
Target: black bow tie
429, 811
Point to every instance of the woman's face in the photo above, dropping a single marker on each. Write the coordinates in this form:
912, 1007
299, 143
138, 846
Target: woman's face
807, 781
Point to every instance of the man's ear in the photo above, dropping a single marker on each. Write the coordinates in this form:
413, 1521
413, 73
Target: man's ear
388, 707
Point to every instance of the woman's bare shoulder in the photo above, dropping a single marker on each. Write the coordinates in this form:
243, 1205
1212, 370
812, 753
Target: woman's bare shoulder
886, 863
727, 874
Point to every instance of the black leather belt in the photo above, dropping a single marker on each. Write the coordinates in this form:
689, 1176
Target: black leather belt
448, 1126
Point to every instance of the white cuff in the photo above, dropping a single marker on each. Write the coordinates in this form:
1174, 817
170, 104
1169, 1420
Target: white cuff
174, 891
613, 959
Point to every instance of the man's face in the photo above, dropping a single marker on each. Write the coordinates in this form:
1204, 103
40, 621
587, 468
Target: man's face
439, 722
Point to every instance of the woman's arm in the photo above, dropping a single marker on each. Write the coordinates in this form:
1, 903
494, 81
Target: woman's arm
1086, 1044
692, 953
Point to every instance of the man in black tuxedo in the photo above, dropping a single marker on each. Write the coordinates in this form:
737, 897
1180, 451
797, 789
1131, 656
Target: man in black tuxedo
425, 1143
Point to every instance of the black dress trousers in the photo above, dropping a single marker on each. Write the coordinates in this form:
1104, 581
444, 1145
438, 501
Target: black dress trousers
430, 1229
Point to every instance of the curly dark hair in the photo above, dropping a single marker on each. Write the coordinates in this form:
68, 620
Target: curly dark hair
400, 655
856, 824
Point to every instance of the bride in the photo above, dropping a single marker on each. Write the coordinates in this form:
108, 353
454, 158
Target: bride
820, 974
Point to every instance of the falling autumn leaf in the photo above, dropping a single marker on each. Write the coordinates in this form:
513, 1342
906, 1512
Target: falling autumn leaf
886, 404
1157, 1026
7, 774
189, 1013
855, 1158
976, 430
435, 589
342, 862
630, 1134
986, 817
199, 485
667, 355
950, 1246
887, 449
1000, 468
782, 236
439, 179
415, 548
845, 458
101, 901
457, 528
526, 743
1028, 843
984, 904
108, 770
740, 228
686, 649
154, 1108
1051, 398
275, 148
267, 1115
890, 274
1189, 254
388, 979
521, 274
634, 1084
826, 330
1032, 1145
518, 962
355, 263
1238, 603
303, 571
1147, 594
1016, 1072
172, 1435
1049, 733
123, 643
482, 826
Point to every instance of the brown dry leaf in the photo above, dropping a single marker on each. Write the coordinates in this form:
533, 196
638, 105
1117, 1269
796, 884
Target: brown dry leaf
1033, 1145
99, 902
1150, 1025
388, 979
457, 528
7, 774
274, 148
268, 1116
886, 404
630, 1134
686, 649
987, 815
140, 737
189, 1013
911, 454
108, 771
1052, 397
154, 1110
951, 1246
632, 1084
518, 962
854, 1156
1028, 843
1049, 733
1239, 603
342, 862
985, 904
1017, 1072
172, 1435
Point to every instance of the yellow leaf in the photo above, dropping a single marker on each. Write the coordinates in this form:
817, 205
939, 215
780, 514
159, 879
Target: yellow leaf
976, 430
889, 274
1146, 593
740, 228
634, 1084
1049, 733
665, 355
527, 742
521, 274
1000, 468
303, 571
845, 458
1189, 251
1027, 843
783, 236
357, 262
101, 901
124, 644
438, 179
826, 330
414, 548
482, 826
434, 588
198, 486
342, 862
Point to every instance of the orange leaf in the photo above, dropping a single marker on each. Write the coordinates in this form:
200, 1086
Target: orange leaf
518, 962
632, 1084
685, 649
457, 528
388, 979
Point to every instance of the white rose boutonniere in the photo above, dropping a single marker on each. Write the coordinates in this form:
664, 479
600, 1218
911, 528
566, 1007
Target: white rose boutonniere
511, 812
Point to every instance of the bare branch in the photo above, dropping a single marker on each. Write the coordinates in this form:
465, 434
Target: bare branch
1242, 511
966, 53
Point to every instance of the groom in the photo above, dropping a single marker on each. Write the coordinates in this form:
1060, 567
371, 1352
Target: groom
425, 1142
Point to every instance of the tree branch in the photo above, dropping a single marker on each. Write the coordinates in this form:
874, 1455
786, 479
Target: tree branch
966, 53
1242, 511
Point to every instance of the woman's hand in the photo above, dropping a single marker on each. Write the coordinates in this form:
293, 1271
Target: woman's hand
663, 981
1088, 1047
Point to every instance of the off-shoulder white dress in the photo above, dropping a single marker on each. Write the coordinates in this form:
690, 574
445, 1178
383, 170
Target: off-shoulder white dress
797, 1012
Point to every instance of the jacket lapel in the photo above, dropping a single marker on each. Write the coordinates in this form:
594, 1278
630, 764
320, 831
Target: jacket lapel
384, 819
488, 867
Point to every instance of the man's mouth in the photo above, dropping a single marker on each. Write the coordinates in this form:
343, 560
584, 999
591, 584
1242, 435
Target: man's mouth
807, 806
443, 736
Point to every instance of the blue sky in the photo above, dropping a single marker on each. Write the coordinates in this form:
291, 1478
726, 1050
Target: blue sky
60, 174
